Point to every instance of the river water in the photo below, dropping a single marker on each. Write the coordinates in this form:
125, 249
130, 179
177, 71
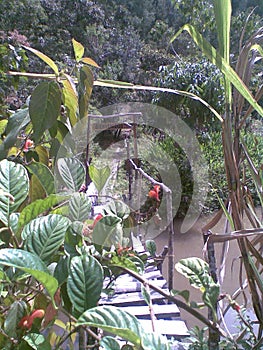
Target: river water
190, 244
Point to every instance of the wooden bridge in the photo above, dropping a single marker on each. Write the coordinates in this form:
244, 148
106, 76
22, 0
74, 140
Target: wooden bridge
160, 316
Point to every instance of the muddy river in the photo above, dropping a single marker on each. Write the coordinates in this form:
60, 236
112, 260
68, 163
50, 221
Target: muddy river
190, 244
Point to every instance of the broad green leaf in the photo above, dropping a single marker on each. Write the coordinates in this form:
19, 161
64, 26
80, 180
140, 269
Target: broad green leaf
109, 343
85, 283
44, 175
3, 124
37, 341
124, 85
36, 190
124, 261
89, 61
113, 320
196, 271
117, 208
44, 107
70, 98
73, 238
16, 122
79, 207
85, 89
151, 246
64, 138
107, 232
31, 264
14, 181
72, 172
214, 56
42, 154
154, 341
43, 236
61, 269
183, 293
99, 176
13, 317
78, 49
38, 207
13, 222
44, 58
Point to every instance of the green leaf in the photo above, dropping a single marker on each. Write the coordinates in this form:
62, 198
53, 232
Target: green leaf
222, 10
85, 283
44, 175
44, 58
99, 176
214, 56
36, 190
113, 320
107, 232
154, 341
79, 207
151, 246
124, 85
13, 317
31, 264
117, 208
14, 181
70, 98
183, 293
44, 236
39, 206
42, 154
78, 49
146, 295
197, 272
109, 343
44, 107
89, 61
37, 341
85, 89
61, 269
13, 222
72, 173
3, 124
16, 122
124, 261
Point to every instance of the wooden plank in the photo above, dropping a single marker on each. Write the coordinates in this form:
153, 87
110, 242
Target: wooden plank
160, 311
125, 278
135, 298
170, 328
135, 286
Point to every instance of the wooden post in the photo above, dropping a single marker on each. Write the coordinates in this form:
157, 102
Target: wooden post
214, 337
170, 224
169, 206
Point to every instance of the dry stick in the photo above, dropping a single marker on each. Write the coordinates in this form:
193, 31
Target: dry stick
152, 315
169, 221
178, 302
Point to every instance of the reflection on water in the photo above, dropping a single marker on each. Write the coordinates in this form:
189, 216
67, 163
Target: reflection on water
190, 244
